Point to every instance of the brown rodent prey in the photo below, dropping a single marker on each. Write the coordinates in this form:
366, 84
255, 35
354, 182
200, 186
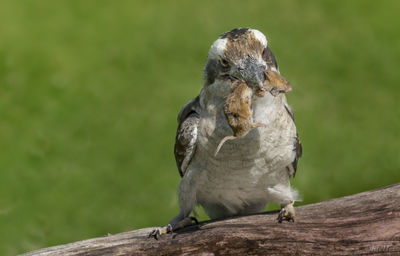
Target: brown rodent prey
238, 112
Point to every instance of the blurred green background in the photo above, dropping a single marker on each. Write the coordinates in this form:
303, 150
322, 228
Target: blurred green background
90, 91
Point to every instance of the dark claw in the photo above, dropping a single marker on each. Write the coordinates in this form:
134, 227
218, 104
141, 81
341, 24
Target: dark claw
195, 220
155, 233
282, 216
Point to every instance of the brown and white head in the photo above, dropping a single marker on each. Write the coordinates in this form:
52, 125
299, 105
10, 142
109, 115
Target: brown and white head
243, 54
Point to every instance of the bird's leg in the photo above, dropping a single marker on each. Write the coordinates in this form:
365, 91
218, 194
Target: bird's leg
287, 213
180, 221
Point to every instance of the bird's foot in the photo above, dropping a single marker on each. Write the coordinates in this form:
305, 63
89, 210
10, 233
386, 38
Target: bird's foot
156, 233
287, 213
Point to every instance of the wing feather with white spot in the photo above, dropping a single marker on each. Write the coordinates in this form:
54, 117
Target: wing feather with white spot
186, 135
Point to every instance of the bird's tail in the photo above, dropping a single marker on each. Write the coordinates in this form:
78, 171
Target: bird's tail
222, 143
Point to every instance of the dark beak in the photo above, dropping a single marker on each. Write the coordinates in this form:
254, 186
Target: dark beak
263, 79
253, 73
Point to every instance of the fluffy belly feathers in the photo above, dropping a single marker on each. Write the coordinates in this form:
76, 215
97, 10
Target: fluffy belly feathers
244, 172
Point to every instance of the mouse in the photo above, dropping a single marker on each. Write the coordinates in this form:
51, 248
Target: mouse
238, 111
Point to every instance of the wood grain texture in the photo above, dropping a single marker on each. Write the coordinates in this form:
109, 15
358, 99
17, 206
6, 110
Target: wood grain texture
365, 223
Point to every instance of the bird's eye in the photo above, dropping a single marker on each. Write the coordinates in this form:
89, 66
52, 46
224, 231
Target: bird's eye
265, 54
224, 63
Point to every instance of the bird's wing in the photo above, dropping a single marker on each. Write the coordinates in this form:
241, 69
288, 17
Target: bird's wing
292, 168
186, 135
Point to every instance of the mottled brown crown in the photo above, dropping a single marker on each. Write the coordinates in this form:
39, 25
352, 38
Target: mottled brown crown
241, 44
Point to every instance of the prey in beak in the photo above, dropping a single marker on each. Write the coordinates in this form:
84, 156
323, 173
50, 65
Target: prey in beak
275, 83
263, 78
238, 112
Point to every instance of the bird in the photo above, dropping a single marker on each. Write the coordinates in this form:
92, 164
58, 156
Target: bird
252, 169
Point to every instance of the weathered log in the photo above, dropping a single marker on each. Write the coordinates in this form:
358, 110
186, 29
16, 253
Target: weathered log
365, 223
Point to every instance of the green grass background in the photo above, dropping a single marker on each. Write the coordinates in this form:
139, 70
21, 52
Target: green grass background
90, 91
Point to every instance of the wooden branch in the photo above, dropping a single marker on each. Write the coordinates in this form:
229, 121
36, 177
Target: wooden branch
365, 223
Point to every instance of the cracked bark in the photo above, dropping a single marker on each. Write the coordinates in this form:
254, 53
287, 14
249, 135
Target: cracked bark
365, 223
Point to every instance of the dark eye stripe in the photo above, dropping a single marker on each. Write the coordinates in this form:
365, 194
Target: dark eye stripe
265, 53
269, 57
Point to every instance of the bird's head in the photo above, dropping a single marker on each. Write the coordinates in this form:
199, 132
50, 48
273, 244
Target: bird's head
243, 53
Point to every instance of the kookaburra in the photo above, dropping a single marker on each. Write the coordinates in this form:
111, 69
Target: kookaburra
252, 170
